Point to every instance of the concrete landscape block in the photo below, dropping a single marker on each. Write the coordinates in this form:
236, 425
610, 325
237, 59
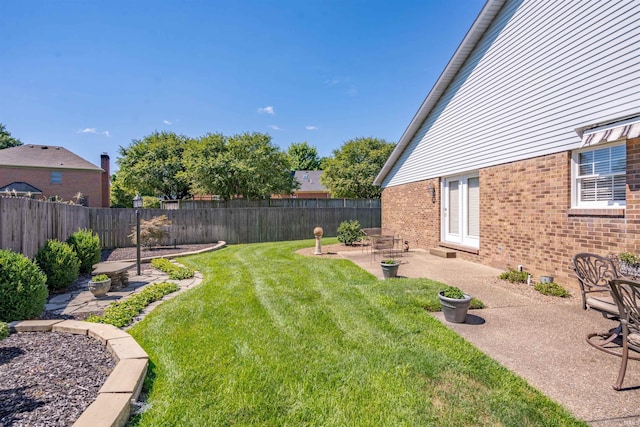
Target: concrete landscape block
33, 325
104, 332
108, 410
72, 327
126, 377
126, 348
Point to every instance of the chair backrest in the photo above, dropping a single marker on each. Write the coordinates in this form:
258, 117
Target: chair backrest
372, 231
626, 294
594, 273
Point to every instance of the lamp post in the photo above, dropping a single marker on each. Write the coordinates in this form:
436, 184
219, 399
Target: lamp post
137, 204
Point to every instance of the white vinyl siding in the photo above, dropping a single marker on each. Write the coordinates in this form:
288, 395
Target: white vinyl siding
542, 69
600, 177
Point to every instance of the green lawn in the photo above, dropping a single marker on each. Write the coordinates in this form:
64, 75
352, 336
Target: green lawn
272, 338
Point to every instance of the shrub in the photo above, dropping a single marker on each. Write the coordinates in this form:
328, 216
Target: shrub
4, 330
515, 276
150, 202
59, 262
175, 272
86, 244
152, 232
475, 304
121, 313
552, 289
349, 232
100, 278
23, 289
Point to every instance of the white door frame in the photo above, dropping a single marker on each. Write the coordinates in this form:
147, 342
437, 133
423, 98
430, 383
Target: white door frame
456, 229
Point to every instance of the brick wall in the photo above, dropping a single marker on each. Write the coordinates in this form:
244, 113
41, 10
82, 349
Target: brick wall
411, 211
526, 216
73, 181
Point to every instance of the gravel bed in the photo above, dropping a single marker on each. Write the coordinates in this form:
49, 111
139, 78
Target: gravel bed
49, 378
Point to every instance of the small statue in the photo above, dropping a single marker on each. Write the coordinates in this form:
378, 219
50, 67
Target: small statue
406, 246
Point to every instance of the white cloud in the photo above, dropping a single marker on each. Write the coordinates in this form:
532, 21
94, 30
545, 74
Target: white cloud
275, 127
266, 110
311, 128
94, 131
352, 91
332, 82
167, 122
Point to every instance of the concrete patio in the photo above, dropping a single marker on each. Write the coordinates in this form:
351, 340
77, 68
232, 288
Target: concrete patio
540, 338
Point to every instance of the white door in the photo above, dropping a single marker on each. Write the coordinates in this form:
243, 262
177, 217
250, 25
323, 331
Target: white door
461, 210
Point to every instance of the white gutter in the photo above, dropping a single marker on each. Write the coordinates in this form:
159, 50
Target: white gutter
475, 33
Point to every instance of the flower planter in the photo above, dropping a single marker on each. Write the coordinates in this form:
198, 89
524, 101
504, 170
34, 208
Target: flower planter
390, 270
100, 288
455, 310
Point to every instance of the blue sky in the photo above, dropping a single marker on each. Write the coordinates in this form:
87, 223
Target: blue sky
92, 75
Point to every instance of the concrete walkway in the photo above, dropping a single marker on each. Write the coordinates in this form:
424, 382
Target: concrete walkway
542, 339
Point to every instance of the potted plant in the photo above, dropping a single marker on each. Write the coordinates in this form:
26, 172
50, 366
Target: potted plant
455, 304
99, 285
389, 268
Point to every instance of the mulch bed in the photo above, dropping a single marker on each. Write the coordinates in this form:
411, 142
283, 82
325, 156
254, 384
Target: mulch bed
120, 254
49, 379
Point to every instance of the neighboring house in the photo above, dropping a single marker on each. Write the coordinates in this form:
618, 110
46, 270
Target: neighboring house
527, 149
310, 186
20, 189
56, 173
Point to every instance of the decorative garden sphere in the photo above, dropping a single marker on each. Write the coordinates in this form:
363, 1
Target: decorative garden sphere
318, 232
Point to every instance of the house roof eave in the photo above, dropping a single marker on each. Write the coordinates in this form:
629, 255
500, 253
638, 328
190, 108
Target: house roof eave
471, 39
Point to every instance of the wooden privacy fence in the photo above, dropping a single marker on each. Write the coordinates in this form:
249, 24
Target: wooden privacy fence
271, 203
26, 225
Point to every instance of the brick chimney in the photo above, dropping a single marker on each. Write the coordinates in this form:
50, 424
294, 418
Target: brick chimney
106, 180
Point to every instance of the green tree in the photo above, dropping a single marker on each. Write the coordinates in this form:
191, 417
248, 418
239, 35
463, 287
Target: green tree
6, 140
303, 157
152, 166
121, 197
353, 167
246, 165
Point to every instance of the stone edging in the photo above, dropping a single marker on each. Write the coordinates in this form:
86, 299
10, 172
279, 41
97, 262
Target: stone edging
112, 407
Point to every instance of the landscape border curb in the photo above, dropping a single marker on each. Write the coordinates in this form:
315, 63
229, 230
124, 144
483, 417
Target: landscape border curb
112, 407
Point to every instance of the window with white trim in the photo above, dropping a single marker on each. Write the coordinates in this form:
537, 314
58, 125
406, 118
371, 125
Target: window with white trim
600, 177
